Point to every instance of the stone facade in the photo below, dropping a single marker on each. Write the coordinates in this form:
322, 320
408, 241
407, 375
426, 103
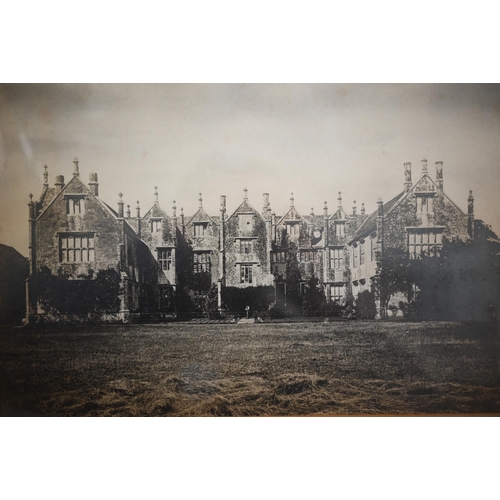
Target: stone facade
416, 221
74, 235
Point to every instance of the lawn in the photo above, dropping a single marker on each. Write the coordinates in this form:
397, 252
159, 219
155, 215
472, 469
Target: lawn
316, 368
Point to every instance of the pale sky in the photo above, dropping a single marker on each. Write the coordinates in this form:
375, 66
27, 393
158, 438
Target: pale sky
312, 140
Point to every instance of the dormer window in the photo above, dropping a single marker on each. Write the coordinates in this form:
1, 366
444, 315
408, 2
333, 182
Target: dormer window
292, 228
200, 229
156, 225
75, 204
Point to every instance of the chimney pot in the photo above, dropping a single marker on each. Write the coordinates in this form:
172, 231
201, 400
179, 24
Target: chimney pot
407, 167
439, 174
59, 183
94, 184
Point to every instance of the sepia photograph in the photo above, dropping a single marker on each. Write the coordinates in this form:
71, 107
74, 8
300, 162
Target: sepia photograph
237, 250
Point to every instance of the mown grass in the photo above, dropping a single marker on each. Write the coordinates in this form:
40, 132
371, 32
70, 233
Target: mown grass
244, 370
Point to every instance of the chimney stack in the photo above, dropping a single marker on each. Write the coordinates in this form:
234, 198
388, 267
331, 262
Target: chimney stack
138, 212
120, 205
266, 210
76, 173
408, 184
470, 210
439, 174
424, 167
59, 183
94, 184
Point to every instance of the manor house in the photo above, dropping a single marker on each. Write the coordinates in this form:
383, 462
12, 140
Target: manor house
114, 263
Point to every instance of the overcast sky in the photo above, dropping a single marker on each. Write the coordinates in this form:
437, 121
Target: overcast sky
312, 140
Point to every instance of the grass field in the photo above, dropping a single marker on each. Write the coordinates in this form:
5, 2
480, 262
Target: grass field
255, 369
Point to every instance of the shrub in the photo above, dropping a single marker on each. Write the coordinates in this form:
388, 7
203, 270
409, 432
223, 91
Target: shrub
365, 305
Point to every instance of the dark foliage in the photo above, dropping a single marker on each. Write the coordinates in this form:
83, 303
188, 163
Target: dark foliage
258, 298
293, 277
313, 303
58, 294
365, 305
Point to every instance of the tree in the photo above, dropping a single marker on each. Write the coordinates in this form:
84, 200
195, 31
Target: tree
313, 302
293, 295
394, 275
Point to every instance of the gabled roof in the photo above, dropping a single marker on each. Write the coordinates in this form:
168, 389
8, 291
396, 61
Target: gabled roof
291, 215
370, 223
245, 207
200, 216
155, 211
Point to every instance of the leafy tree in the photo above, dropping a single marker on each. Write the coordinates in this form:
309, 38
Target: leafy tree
293, 277
314, 298
394, 275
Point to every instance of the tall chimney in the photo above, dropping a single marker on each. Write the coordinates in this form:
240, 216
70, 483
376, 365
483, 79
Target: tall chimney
470, 210
59, 183
138, 211
266, 208
174, 219
439, 174
424, 167
407, 184
94, 184
120, 205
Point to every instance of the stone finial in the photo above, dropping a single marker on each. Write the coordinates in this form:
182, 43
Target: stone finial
222, 202
325, 208
120, 204
245, 194
424, 167
45, 176
128, 211
312, 211
470, 203
76, 172
156, 194
339, 199
362, 209
200, 199
174, 209
31, 197
138, 210
354, 208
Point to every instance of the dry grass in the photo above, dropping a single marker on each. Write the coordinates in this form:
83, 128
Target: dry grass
244, 370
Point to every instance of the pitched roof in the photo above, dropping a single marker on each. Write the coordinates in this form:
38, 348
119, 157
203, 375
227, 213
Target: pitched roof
370, 223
